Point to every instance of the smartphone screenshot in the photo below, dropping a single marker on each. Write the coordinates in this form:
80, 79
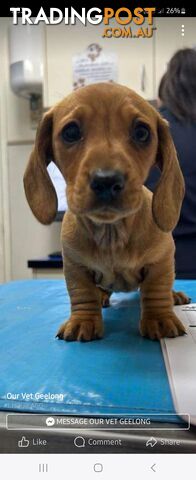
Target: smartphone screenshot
97, 240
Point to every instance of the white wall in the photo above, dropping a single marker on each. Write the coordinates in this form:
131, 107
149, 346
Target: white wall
21, 236
4, 217
63, 42
29, 239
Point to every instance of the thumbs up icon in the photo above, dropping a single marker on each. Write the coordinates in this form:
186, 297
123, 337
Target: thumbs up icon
23, 443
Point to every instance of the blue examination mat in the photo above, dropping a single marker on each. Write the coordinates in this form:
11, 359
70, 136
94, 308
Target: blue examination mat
121, 374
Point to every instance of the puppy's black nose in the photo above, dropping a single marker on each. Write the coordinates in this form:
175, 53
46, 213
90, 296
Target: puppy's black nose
107, 184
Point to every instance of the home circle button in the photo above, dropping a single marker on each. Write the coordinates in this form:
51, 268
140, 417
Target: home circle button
98, 467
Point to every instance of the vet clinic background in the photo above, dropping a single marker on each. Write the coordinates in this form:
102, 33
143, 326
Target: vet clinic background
141, 62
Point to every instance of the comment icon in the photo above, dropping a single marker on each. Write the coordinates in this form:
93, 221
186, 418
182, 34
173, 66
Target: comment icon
79, 442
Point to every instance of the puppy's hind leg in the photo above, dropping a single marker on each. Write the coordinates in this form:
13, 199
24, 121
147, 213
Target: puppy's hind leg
180, 298
105, 299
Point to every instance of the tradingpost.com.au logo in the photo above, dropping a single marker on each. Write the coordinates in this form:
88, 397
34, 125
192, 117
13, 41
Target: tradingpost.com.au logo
134, 23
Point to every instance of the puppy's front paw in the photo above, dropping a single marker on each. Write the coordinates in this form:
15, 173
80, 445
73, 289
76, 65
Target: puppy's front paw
81, 330
164, 325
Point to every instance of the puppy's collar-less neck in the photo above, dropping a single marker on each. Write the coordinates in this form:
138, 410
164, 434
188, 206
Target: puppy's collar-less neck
118, 235
108, 235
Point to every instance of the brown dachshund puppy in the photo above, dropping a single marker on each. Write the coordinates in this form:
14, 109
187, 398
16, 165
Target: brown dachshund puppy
116, 236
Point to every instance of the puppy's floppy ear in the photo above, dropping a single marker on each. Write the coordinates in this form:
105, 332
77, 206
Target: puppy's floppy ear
38, 187
169, 192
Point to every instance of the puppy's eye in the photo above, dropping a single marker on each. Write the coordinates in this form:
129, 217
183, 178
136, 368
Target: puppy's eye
71, 133
141, 133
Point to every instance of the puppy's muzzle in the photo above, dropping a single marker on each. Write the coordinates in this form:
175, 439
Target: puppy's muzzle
107, 184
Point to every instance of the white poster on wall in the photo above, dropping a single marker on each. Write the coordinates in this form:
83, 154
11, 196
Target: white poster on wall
94, 66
